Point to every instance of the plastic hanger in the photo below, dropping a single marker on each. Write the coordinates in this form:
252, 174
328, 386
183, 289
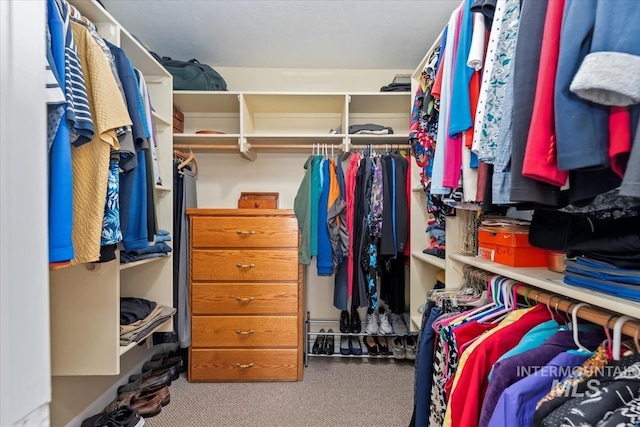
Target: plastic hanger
574, 318
607, 333
617, 335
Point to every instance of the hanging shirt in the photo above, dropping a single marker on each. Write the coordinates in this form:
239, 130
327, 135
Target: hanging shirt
493, 110
60, 170
324, 262
540, 160
437, 177
91, 160
506, 372
471, 382
486, 74
517, 403
302, 209
461, 119
316, 192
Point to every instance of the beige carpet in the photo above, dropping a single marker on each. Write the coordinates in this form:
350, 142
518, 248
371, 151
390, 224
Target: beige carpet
335, 392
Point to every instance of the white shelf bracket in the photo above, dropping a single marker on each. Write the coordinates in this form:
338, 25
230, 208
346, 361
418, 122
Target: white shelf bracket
245, 150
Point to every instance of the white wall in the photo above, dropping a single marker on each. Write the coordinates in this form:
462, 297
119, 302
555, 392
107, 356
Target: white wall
222, 177
25, 389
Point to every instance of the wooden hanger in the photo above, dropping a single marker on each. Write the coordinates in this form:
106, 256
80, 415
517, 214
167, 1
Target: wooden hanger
187, 158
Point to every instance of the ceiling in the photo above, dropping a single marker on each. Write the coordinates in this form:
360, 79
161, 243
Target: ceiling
360, 34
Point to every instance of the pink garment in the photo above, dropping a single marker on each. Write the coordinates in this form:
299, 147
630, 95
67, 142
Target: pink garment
541, 157
354, 160
619, 139
453, 150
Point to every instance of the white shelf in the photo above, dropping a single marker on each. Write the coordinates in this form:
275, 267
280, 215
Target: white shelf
210, 138
380, 102
195, 101
162, 188
543, 278
140, 57
126, 348
283, 102
418, 189
141, 262
160, 121
430, 259
416, 322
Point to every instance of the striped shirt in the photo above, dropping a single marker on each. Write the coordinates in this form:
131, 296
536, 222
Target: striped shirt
81, 125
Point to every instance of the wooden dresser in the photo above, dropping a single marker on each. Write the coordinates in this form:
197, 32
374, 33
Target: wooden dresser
246, 296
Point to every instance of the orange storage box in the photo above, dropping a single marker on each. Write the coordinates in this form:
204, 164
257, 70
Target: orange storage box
509, 246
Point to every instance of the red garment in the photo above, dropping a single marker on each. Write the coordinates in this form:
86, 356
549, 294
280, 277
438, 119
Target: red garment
464, 335
466, 400
541, 157
474, 94
436, 89
619, 139
351, 191
407, 249
483, 171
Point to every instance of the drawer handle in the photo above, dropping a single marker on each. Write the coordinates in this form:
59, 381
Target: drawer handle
249, 332
250, 365
245, 232
245, 265
244, 299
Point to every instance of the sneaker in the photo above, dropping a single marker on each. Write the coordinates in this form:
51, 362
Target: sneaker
385, 326
410, 347
397, 348
399, 328
406, 318
372, 323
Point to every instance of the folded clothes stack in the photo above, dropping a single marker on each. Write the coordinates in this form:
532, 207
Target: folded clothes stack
144, 395
437, 246
159, 248
365, 129
603, 277
396, 87
139, 316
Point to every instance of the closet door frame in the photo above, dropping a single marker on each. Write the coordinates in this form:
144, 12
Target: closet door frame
25, 389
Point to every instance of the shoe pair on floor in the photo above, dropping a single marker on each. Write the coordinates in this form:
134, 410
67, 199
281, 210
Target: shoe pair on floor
324, 344
377, 345
378, 322
350, 345
350, 323
143, 396
404, 347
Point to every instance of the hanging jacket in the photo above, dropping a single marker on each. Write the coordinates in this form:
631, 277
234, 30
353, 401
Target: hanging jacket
302, 209
336, 216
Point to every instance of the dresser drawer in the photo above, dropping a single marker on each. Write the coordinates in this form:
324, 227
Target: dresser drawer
243, 365
244, 265
244, 298
244, 331
244, 232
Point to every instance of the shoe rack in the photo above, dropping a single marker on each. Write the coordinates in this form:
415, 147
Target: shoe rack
310, 336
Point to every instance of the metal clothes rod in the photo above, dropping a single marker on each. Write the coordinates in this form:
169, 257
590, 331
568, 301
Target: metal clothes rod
591, 314
286, 146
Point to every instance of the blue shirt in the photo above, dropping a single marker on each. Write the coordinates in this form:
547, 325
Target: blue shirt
60, 175
517, 403
460, 113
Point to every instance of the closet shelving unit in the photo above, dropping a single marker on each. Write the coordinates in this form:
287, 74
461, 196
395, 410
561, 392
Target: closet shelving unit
253, 122
85, 299
335, 325
423, 268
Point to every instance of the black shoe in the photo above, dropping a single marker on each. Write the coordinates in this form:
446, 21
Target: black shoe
383, 345
372, 346
125, 417
354, 346
318, 345
329, 342
356, 326
345, 345
345, 327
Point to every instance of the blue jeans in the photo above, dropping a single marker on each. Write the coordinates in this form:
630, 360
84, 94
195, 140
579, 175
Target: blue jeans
424, 365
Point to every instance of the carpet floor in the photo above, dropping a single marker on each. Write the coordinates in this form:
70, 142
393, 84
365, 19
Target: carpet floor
335, 392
